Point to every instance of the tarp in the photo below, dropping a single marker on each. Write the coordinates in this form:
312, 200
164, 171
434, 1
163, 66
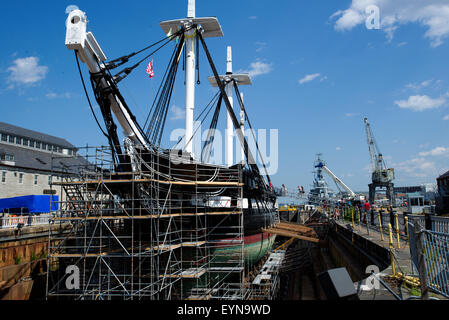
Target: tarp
31, 204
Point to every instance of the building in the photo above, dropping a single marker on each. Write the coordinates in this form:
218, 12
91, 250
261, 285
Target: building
30, 161
443, 193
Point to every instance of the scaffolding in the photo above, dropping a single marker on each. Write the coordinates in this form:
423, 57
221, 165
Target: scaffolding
163, 229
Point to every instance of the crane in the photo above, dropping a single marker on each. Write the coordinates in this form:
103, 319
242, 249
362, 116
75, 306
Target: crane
382, 177
337, 180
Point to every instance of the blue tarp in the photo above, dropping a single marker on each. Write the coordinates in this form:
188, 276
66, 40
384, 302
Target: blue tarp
34, 204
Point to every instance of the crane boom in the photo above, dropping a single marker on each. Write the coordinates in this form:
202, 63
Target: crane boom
376, 157
338, 181
381, 177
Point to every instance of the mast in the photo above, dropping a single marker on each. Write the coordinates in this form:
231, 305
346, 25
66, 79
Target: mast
211, 28
228, 80
242, 127
190, 80
229, 123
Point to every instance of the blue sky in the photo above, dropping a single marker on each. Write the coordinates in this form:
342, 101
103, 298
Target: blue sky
318, 71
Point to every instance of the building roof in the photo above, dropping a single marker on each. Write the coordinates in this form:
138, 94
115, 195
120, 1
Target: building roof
25, 133
445, 175
37, 160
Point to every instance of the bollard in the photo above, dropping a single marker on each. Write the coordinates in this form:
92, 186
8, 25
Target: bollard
353, 222
381, 229
390, 232
406, 228
360, 219
367, 223
397, 231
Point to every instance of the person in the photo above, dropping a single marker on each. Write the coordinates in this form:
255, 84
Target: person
367, 206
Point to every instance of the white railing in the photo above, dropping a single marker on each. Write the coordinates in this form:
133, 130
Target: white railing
26, 221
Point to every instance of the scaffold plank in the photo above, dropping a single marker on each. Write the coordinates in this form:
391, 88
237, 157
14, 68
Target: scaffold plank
192, 273
74, 255
168, 247
181, 183
155, 216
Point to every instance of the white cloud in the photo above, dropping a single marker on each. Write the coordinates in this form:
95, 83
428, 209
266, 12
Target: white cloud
53, 95
420, 103
260, 46
438, 151
258, 68
446, 117
349, 115
417, 167
309, 78
418, 86
432, 14
338, 148
178, 113
27, 71
252, 17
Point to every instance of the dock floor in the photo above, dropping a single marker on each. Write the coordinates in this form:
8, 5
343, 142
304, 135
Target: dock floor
403, 262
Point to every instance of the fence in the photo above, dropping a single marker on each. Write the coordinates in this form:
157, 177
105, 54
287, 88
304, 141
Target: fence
433, 247
26, 221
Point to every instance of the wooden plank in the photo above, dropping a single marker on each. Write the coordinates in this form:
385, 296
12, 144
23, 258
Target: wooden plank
297, 228
284, 233
294, 226
181, 183
68, 255
171, 215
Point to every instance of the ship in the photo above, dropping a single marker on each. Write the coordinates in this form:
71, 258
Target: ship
141, 152
320, 193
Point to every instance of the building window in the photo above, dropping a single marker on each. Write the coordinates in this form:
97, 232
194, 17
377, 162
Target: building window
4, 137
11, 139
9, 157
25, 142
20, 178
38, 145
36, 177
3, 177
32, 143
18, 140
44, 146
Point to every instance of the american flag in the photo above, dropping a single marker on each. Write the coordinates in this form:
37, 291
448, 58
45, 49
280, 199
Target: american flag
150, 70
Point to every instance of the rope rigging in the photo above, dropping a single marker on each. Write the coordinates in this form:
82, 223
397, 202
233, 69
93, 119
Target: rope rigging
208, 108
250, 159
159, 110
239, 98
207, 148
124, 59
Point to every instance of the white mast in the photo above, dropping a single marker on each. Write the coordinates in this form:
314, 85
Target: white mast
229, 78
242, 127
210, 27
230, 124
190, 80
